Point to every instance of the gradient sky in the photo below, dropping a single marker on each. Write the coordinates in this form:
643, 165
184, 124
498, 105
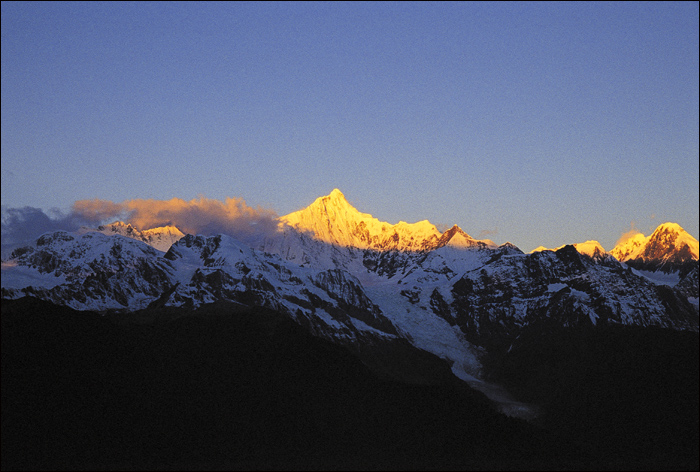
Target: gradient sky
534, 123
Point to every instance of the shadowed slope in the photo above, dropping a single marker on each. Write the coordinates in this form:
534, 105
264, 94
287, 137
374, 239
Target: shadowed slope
224, 387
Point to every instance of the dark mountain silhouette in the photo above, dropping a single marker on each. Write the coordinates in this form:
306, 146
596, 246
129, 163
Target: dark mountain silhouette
234, 388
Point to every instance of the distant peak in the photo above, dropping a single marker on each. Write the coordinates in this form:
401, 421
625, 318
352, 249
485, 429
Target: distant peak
455, 230
668, 241
456, 237
169, 229
334, 220
591, 248
668, 233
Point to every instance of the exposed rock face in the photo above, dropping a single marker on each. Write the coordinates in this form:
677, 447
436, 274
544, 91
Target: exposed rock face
688, 285
348, 292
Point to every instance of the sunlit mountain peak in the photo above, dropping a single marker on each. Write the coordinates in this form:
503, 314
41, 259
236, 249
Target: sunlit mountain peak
629, 247
667, 238
336, 193
591, 248
456, 237
334, 220
670, 236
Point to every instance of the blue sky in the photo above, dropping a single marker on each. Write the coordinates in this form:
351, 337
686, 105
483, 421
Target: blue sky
534, 123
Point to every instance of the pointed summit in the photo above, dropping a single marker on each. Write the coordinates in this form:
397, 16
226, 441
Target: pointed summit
330, 219
589, 248
670, 248
336, 200
335, 221
669, 240
337, 195
456, 237
666, 240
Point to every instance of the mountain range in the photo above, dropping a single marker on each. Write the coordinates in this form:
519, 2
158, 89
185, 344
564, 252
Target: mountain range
347, 276
412, 303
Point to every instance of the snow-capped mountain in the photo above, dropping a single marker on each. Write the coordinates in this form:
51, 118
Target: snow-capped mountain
668, 243
667, 256
350, 278
160, 238
99, 272
333, 220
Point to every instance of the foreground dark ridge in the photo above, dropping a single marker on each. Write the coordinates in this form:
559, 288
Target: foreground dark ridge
247, 388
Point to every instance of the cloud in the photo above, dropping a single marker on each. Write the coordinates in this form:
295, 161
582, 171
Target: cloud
629, 234
198, 216
98, 210
203, 216
20, 226
487, 232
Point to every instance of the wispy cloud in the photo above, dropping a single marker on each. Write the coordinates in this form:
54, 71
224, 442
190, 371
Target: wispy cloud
487, 232
628, 234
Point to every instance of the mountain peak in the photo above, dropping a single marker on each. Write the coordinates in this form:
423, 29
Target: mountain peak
671, 230
670, 238
669, 248
332, 219
456, 237
591, 248
629, 247
336, 194
669, 226
336, 199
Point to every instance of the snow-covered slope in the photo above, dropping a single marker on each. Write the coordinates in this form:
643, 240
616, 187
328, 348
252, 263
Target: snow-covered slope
630, 248
99, 272
665, 257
